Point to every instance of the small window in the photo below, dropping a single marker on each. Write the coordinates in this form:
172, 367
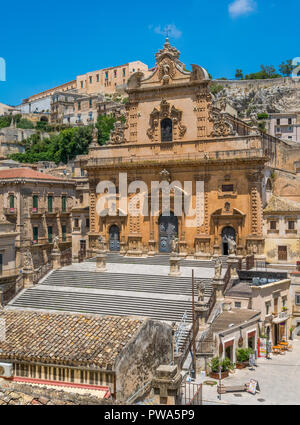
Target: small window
290, 121
91, 79
273, 225
166, 130
87, 223
106, 75
97, 76
76, 222
268, 305
297, 299
124, 72
91, 103
133, 70
50, 203
64, 232
50, 234
81, 84
278, 121
64, 203
35, 201
11, 202
115, 73
79, 106
291, 225
227, 187
237, 304
35, 234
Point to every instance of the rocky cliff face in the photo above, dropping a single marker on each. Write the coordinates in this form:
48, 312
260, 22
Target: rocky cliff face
277, 95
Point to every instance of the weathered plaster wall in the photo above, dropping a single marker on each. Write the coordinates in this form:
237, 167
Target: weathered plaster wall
137, 363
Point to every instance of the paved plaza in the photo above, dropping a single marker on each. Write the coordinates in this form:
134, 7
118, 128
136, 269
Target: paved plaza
279, 381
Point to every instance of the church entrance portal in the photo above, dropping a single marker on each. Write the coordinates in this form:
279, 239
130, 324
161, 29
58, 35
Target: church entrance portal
168, 229
227, 232
114, 238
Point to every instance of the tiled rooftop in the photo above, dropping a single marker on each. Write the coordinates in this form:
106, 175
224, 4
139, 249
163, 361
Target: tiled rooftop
235, 316
26, 173
70, 339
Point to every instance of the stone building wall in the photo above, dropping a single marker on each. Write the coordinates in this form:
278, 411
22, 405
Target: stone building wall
136, 365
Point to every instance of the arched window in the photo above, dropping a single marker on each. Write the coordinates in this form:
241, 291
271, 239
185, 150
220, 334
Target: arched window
269, 187
166, 130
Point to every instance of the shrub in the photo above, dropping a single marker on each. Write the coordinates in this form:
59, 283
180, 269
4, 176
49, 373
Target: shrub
216, 88
225, 364
243, 354
263, 116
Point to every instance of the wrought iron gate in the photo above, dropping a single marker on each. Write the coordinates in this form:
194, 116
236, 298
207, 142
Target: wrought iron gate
114, 238
168, 229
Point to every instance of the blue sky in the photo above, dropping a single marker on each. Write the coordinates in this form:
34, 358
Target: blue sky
46, 44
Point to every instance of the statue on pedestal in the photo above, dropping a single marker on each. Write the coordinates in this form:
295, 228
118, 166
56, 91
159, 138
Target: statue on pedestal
201, 289
218, 268
231, 245
175, 245
28, 262
55, 244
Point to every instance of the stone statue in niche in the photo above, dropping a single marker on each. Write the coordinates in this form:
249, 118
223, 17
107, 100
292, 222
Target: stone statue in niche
231, 245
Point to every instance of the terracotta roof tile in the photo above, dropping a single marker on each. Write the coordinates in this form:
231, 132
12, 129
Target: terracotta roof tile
22, 172
85, 340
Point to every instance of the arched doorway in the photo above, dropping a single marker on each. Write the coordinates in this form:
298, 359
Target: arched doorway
168, 229
166, 130
114, 238
227, 232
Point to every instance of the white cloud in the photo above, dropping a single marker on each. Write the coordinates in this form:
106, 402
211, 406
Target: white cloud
170, 29
241, 7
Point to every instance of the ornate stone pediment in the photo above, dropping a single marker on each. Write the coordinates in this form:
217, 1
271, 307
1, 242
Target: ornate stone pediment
117, 134
222, 126
166, 111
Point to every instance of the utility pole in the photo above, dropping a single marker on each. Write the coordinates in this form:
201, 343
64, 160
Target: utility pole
194, 323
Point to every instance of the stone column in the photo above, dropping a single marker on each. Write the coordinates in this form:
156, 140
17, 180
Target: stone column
101, 262
174, 265
56, 259
28, 278
233, 263
166, 385
201, 310
218, 285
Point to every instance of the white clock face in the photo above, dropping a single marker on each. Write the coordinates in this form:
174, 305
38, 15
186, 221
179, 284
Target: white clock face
1, 371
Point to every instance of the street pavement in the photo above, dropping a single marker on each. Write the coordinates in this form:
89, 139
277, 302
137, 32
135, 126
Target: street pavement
278, 378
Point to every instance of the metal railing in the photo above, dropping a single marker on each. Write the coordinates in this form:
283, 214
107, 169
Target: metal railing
191, 394
41, 271
66, 257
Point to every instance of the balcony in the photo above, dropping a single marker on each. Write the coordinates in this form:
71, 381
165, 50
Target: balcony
280, 317
37, 212
12, 212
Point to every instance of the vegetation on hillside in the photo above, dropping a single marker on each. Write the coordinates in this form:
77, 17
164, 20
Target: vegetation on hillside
65, 145
268, 72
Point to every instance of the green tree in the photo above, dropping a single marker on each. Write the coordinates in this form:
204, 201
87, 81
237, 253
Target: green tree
266, 72
286, 68
239, 74
105, 124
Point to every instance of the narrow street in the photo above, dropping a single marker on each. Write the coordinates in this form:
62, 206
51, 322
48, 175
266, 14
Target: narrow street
278, 378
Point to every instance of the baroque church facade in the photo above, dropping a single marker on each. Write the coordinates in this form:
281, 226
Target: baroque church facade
173, 132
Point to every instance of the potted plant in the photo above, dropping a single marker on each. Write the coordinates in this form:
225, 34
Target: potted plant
284, 309
226, 365
291, 333
242, 357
